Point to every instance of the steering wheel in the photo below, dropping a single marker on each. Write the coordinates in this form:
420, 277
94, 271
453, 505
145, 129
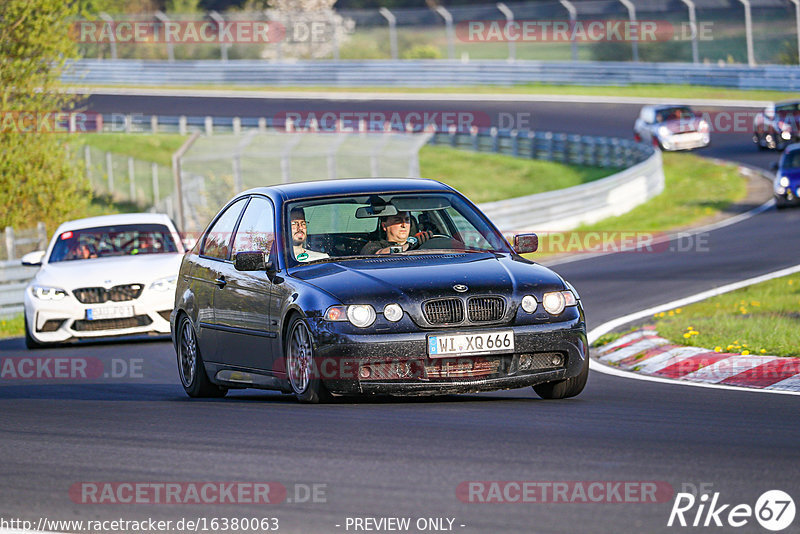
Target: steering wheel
435, 241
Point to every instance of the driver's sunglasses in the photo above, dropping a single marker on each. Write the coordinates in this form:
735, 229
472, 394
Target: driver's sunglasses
299, 224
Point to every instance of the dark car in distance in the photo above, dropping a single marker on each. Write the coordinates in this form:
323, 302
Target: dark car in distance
279, 294
786, 186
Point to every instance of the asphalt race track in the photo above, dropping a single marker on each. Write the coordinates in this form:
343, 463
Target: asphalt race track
407, 457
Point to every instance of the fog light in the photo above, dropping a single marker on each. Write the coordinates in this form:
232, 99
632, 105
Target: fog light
393, 312
365, 372
529, 303
557, 360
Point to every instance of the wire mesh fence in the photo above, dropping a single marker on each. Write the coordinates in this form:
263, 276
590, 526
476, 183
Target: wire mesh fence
684, 30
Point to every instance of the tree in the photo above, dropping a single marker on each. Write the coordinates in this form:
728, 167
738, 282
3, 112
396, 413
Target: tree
38, 179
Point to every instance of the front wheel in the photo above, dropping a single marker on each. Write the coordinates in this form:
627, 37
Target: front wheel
299, 353
30, 343
566, 388
190, 364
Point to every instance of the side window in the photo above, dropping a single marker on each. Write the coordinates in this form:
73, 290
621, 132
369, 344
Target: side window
218, 239
257, 229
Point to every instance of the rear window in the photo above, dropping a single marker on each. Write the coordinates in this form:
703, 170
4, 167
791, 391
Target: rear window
106, 241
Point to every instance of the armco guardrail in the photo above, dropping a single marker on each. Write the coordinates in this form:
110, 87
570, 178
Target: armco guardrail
13, 280
582, 204
426, 73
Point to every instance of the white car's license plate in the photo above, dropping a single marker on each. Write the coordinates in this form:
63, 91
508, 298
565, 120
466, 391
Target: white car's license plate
115, 312
441, 346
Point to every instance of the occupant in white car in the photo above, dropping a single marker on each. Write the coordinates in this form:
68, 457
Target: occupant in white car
299, 236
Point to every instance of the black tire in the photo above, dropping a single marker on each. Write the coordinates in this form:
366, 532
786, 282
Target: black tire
30, 343
298, 353
780, 203
191, 369
563, 389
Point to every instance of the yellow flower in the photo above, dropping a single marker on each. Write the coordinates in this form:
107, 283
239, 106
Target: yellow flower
729, 347
763, 351
745, 352
671, 313
755, 303
717, 349
678, 310
687, 335
694, 333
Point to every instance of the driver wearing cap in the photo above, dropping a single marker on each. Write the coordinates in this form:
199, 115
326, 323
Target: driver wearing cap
397, 228
299, 236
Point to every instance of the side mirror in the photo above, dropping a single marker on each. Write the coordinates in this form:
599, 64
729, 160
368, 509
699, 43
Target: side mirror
774, 165
526, 243
33, 259
253, 260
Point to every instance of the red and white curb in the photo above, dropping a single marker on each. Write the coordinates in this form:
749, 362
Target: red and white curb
643, 351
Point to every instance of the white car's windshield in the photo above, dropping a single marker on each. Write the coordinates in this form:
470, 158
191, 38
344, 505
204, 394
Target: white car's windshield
416, 223
120, 240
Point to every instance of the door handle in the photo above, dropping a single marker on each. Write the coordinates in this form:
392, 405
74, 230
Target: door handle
221, 282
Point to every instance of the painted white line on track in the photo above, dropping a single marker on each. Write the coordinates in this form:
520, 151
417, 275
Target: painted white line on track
608, 326
411, 96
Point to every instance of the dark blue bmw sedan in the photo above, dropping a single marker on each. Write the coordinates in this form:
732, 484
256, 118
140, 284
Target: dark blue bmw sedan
371, 286
787, 177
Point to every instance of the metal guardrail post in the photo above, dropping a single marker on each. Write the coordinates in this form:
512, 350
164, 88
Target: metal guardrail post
176, 175
512, 45
797, 23
162, 17
132, 180
573, 17
632, 16
693, 27
10, 245
495, 140
448, 21
748, 28
112, 40
208, 123
110, 173
223, 47
41, 233
392, 20
156, 191
182, 125
154, 124
514, 134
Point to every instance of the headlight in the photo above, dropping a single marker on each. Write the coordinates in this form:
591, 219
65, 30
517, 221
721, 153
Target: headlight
529, 303
786, 134
556, 301
361, 315
702, 126
164, 284
784, 181
48, 293
393, 312
663, 131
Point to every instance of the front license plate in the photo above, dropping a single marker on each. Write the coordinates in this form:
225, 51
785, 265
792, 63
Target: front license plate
116, 312
441, 346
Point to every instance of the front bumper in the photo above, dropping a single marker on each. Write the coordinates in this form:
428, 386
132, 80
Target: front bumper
67, 319
685, 141
399, 363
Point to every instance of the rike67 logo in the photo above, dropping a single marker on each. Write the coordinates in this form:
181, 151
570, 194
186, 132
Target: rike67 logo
774, 510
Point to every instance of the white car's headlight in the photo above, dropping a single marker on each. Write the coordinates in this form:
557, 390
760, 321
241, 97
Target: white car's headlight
556, 301
361, 315
663, 131
784, 181
48, 293
164, 284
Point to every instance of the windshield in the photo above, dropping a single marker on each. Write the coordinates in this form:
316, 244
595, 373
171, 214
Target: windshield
791, 160
105, 241
674, 114
344, 228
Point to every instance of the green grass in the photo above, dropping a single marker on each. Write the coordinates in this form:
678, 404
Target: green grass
760, 319
686, 200
477, 174
154, 148
12, 326
670, 91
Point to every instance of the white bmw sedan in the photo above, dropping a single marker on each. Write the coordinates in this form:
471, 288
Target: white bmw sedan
103, 276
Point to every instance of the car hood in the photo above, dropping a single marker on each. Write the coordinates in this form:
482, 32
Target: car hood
682, 126
414, 278
792, 174
108, 272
